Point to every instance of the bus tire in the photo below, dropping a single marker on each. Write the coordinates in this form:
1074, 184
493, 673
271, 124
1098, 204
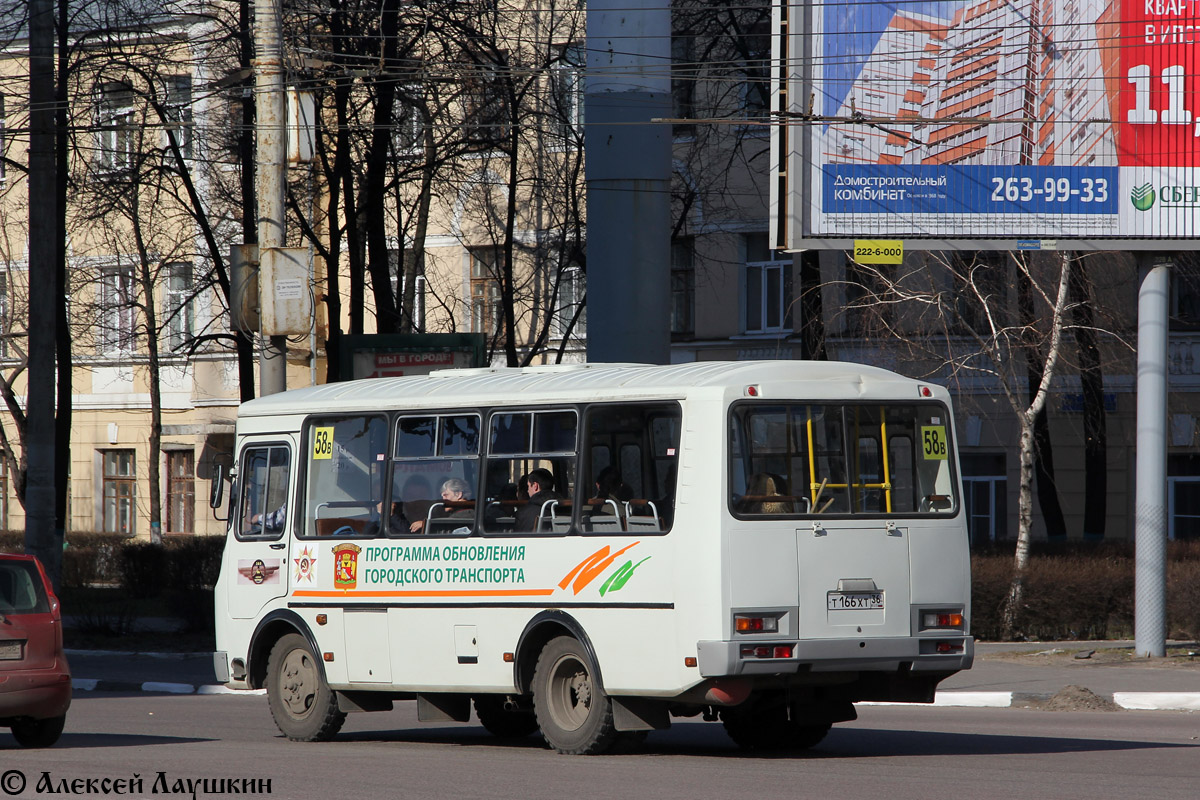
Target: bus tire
303, 706
766, 727
501, 722
572, 708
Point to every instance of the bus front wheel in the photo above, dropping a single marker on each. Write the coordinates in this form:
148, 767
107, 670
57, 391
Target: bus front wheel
304, 707
572, 709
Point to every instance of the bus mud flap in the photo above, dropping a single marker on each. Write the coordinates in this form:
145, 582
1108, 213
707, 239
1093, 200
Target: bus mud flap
363, 701
444, 707
639, 714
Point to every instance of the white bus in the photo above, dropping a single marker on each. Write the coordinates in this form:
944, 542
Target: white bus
592, 549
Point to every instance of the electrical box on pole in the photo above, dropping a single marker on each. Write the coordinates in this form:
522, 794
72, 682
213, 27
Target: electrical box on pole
243, 302
285, 294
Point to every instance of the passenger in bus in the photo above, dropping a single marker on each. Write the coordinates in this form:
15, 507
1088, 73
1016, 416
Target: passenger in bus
418, 499
611, 493
766, 495
270, 522
397, 522
541, 490
455, 490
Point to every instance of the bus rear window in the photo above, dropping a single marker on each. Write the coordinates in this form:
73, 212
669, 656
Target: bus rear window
798, 459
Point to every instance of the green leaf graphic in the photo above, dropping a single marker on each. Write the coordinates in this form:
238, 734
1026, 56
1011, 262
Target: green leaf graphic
619, 578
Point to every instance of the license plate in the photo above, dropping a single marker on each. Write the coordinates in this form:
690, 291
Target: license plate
857, 601
10, 651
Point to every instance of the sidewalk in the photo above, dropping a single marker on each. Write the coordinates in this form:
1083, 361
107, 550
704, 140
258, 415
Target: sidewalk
1027, 674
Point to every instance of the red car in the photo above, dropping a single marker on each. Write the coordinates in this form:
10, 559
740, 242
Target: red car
35, 681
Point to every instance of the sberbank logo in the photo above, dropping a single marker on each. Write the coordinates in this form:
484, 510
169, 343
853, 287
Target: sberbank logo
1143, 197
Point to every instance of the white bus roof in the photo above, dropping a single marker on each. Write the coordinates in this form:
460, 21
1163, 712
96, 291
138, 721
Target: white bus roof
583, 382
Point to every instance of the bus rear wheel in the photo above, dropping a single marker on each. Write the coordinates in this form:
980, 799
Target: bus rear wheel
766, 726
303, 706
573, 711
503, 722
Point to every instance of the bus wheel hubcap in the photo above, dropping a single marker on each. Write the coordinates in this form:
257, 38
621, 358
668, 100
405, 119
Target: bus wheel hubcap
298, 680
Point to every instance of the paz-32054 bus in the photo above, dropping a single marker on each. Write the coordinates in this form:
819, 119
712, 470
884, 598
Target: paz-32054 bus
590, 550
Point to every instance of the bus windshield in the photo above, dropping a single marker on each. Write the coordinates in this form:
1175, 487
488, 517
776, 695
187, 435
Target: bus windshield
798, 459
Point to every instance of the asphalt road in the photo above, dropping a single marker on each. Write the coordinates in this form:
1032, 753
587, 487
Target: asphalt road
891, 752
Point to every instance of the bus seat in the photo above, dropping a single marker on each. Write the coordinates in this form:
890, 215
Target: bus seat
332, 526
559, 518
641, 520
608, 518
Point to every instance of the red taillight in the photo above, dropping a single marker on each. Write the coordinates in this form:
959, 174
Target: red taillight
949, 647
51, 598
766, 651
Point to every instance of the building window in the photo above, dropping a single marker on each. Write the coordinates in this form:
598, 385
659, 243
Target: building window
755, 47
1183, 496
572, 286
120, 484
399, 281
181, 491
768, 288
5, 315
177, 92
683, 286
566, 92
486, 309
3, 139
3, 494
117, 128
179, 313
1185, 292
985, 492
487, 100
408, 131
116, 310
980, 291
683, 81
866, 286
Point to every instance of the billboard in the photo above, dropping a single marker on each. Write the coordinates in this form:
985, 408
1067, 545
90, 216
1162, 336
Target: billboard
1039, 124
393, 355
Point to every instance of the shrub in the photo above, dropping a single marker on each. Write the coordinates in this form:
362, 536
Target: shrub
143, 569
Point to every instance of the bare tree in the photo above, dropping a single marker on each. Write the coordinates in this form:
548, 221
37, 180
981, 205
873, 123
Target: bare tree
967, 316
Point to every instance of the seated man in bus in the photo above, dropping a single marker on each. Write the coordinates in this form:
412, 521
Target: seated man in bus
454, 492
541, 489
397, 522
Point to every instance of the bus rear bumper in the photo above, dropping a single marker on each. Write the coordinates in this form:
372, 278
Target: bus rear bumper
899, 654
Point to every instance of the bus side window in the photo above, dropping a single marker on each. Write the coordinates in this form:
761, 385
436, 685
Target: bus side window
525, 443
263, 486
632, 452
435, 475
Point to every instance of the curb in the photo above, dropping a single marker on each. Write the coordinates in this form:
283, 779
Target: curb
1134, 701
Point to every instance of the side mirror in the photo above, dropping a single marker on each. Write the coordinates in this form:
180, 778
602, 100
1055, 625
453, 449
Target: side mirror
216, 496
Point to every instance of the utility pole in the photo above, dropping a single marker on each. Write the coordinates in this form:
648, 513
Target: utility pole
271, 141
40, 534
628, 180
1150, 521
